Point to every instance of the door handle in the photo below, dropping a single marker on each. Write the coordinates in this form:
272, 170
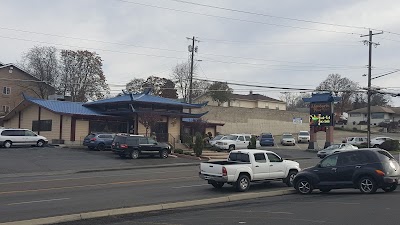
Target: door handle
257, 166
271, 165
358, 167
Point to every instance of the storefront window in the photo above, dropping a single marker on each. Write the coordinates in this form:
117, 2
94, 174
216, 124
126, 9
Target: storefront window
108, 126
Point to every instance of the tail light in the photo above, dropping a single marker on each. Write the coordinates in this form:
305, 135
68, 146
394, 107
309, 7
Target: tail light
93, 139
123, 146
224, 172
380, 172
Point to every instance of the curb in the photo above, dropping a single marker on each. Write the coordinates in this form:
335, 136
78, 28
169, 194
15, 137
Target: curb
149, 208
190, 156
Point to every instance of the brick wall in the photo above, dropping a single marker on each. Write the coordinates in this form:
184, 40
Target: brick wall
254, 121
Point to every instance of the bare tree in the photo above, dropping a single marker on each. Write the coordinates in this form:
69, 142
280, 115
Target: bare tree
149, 120
82, 75
294, 100
181, 77
341, 87
135, 85
42, 62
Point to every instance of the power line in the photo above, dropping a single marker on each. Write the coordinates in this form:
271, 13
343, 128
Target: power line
382, 75
268, 15
236, 19
277, 43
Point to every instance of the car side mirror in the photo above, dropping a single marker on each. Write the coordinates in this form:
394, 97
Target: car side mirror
156, 143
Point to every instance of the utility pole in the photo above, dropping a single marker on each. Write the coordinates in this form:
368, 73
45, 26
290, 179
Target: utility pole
369, 92
192, 49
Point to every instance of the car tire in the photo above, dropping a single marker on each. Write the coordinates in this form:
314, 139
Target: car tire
325, 190
290, 178
231, 147
390, 188
7, 144
376, 146
134, 154
40, 143
243, 183
303, 186
367, 185
217, 185
164, 154
101, 147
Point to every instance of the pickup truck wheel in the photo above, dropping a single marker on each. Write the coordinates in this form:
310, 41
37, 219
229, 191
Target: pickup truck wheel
303, 186
290, 178
164, 154
231, 147
217, 185
243, 183
390, 188
134, 154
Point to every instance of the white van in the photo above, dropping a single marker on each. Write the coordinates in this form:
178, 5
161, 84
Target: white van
19, 137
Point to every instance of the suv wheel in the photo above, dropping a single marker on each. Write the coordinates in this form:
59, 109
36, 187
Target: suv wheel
7, 144
303, 186
135, 154
367, 185
101, 147
164, 154
243, 183
390, 188
40, 143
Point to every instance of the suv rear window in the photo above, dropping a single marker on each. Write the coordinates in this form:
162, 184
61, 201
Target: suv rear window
385, 156
266, 136
120, 139
240, 157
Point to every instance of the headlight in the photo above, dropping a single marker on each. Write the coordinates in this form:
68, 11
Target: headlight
225, 143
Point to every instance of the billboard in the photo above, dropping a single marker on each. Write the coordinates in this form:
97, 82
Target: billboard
321, 114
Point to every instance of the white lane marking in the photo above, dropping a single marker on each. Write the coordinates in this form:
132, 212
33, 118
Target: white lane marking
196, 185
38, 201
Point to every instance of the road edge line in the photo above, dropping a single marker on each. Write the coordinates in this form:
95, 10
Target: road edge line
149, 208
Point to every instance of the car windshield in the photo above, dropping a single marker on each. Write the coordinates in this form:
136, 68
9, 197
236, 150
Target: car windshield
231, 137
218, 137
304, 134
266, 136
287, 136
333, 147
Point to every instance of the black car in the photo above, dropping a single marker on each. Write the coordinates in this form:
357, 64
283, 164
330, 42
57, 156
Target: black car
127, 145
364, 169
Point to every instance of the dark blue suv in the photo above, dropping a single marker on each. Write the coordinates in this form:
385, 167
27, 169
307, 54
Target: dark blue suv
99, 141
267, 139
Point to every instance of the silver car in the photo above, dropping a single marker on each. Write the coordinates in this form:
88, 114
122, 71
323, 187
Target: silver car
288, 139
334, 149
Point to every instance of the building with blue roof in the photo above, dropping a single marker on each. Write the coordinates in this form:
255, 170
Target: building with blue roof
69, 122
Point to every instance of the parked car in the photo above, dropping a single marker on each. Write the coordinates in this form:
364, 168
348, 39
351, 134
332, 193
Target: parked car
20, 137
213, 141
334, 149
133, 146
267, 139
288, 139
365, 169
234, 141
376, 142
245, 166
357, 141
303, 136
99, 141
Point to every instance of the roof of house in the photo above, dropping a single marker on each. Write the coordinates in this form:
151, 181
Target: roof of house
374, 109
396, 110
254, 97
144, 97
2, 65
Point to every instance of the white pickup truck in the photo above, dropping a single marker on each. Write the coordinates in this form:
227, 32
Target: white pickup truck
235, 141
248, 165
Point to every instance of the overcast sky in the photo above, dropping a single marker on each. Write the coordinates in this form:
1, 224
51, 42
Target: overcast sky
139, 38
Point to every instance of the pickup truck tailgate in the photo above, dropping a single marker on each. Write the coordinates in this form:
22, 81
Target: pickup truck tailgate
211, 169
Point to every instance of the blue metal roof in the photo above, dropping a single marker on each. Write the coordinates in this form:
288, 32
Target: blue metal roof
64, 107
322, 97
144, 98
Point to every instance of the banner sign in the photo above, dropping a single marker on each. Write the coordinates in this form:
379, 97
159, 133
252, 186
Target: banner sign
321, 114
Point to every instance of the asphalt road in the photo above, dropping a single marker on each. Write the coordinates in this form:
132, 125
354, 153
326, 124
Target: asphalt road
342, 207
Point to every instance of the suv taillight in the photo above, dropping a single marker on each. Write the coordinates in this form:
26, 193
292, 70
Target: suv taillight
123, 146
224, 172
93, 139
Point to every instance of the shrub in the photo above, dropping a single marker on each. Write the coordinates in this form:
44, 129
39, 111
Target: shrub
390, 145
187, 139
252, 143
198, 145
179, 151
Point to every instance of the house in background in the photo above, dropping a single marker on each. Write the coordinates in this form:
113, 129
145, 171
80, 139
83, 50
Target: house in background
13, 82
246, 101
64, 122
379, 114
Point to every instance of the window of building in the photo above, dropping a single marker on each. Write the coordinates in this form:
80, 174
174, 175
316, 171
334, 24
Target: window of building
6, 108
6, 90
42, 125
108, 126
377, 115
